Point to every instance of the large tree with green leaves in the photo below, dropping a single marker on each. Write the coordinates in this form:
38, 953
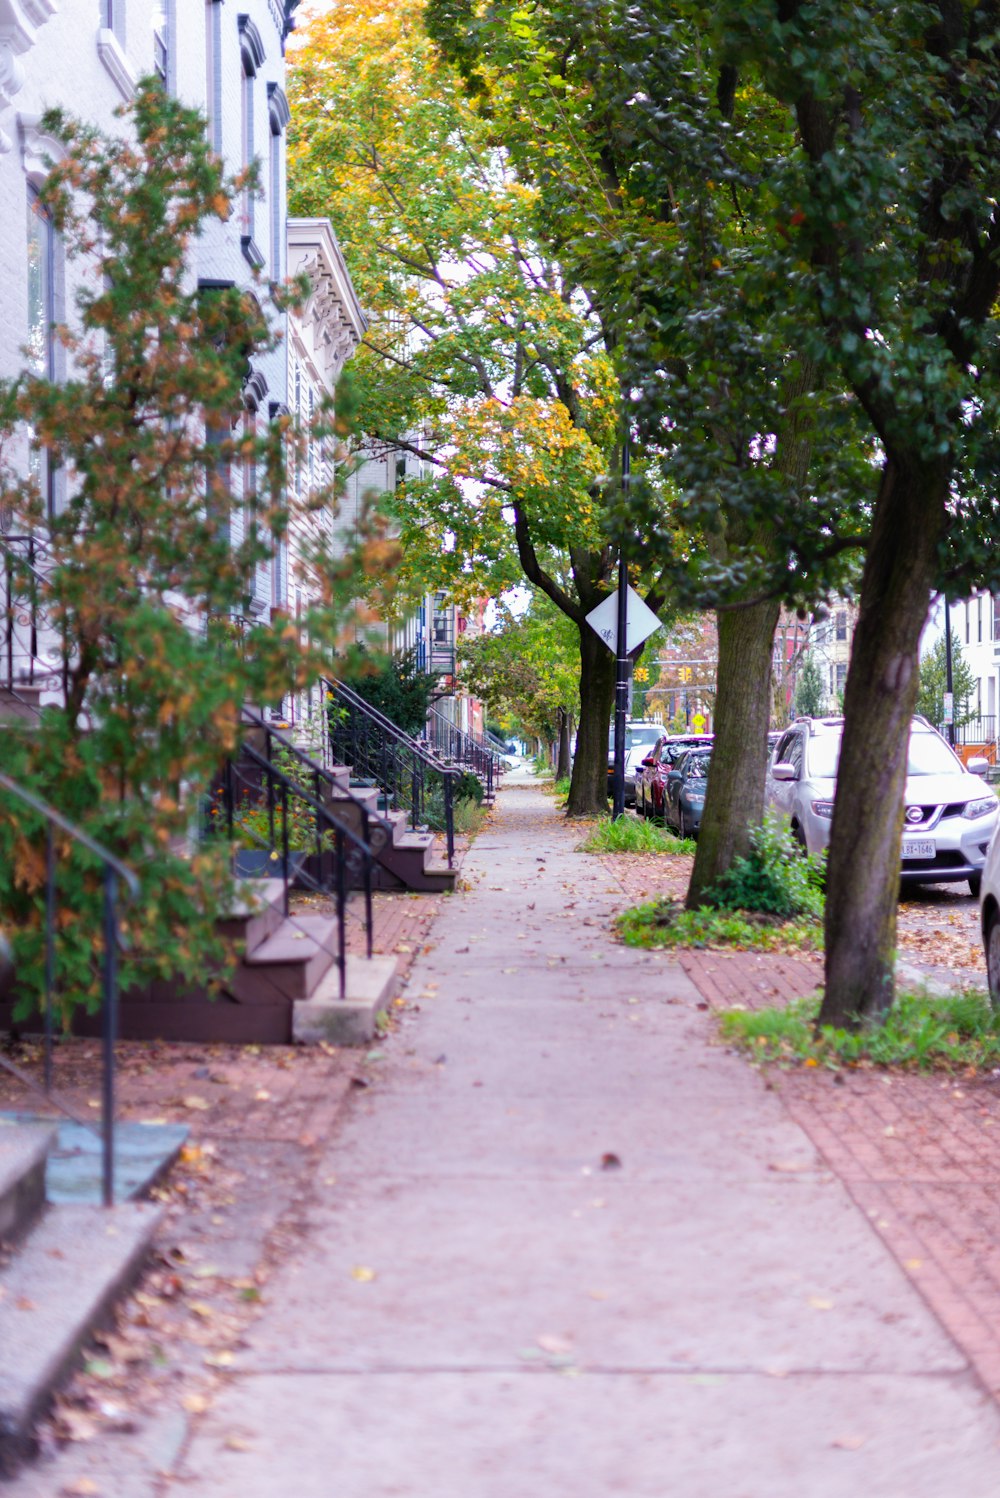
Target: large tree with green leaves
484, 356
890, 256
653, 170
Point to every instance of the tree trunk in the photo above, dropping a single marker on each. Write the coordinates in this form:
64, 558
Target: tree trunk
735, 800
588, 792
862, 888
564, 761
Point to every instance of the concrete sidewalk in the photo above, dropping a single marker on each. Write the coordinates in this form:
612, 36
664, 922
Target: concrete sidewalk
568, 1246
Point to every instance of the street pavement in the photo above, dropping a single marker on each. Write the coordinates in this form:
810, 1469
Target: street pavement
567, 1244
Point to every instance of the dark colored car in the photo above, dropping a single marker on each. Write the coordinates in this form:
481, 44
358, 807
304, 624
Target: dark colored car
651, 774
684, 791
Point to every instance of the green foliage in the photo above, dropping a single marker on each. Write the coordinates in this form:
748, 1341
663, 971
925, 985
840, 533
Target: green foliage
633, 835
470, 816
467, 793
526, 667
776, 877
145, 562
809, 693
933, 683
665, 923
395, 686
561, 788
921, 1032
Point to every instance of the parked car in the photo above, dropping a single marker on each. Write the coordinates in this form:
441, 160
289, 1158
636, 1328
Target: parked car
950, 814
684, 790
651, 773
639, 739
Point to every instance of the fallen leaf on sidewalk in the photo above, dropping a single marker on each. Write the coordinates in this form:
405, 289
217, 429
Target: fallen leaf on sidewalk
237, 1443
84, 1487
548, 1342
610, 1162
818, 1304
849, 1443
362, 1274
196, 1104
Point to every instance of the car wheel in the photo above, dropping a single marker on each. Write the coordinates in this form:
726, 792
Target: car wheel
800, 838
991, 946
975, 884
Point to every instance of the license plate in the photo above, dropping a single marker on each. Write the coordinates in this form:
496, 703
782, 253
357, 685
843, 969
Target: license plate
914, 849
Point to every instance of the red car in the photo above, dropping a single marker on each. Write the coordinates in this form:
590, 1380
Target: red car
651, 775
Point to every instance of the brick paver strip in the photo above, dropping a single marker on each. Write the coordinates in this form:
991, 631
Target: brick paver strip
920, 1154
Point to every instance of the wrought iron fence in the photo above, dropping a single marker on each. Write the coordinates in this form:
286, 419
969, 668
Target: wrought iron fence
277, 800
410, 777
29, 663
463, 748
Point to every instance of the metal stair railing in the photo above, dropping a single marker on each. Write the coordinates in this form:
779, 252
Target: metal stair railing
23, 620
251, 783
377, 749
464, 748
113, 871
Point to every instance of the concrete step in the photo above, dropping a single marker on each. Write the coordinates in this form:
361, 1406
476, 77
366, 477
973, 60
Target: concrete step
292, 960
409, 861
57, 1289
351, 1020
24, 1153
257, 913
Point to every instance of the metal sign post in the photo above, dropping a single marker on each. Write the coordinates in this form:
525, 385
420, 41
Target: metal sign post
621, 654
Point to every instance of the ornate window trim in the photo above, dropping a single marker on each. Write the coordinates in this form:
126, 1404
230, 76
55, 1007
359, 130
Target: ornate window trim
112, 55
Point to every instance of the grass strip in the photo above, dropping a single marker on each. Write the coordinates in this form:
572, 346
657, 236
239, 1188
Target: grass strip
631, 835
921, 1032
665, 923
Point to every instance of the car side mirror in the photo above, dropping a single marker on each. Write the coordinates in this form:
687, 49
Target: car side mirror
978, 766
784, 771
649, 760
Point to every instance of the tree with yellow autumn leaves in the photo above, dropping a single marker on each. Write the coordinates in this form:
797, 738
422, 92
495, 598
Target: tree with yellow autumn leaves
483, 357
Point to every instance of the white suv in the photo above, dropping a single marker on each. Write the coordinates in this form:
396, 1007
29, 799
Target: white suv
950, 814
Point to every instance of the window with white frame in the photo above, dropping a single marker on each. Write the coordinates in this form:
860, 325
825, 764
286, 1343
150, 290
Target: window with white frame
251, 57
41, 346
278, 114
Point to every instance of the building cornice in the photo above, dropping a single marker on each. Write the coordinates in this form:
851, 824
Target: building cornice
19, 24
332, 311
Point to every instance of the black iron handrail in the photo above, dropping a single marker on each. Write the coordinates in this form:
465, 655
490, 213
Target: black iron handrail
464, 748
361, 736
114, 870
353, 854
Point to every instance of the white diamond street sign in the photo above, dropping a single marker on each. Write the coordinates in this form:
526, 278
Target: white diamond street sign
641, 621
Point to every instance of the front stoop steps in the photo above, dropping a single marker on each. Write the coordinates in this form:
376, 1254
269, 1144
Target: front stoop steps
285, 969
406, 861
67, 1266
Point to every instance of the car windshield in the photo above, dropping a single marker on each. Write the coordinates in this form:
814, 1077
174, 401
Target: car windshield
929, 755
636, 737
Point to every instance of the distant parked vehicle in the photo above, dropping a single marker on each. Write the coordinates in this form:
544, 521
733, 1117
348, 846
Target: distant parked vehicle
684, 790
639, 738
651, 773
